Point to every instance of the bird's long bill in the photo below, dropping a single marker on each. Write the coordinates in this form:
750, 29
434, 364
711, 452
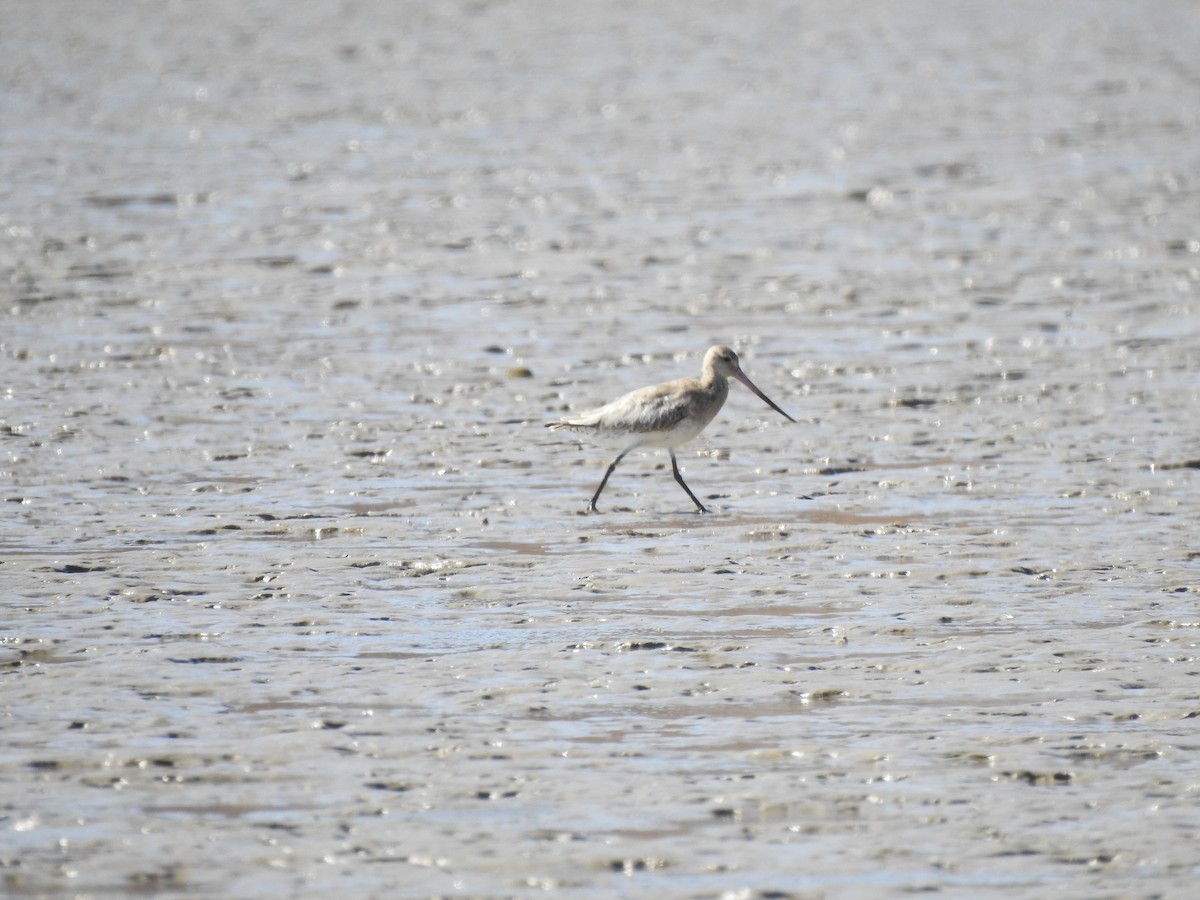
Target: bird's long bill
741, 376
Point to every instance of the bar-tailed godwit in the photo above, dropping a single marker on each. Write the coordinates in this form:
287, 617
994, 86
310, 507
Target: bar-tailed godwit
667, 415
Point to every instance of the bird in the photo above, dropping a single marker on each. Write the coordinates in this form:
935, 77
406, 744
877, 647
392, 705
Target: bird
666, 415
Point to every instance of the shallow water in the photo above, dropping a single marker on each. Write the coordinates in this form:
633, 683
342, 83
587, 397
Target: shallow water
299, 595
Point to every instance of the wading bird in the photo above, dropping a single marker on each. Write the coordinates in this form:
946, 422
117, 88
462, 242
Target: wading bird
666, 415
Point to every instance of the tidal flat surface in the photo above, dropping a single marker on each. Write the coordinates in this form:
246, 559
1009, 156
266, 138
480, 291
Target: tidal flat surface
297, 594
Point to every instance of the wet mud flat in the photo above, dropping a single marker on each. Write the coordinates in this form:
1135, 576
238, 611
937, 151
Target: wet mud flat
297, 595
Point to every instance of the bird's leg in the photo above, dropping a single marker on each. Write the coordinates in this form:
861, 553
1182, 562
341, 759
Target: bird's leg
604, 480
682, 483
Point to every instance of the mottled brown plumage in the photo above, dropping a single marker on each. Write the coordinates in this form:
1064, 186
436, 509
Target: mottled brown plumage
667, 415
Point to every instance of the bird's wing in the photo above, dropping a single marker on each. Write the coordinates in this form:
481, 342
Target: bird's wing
643, 411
